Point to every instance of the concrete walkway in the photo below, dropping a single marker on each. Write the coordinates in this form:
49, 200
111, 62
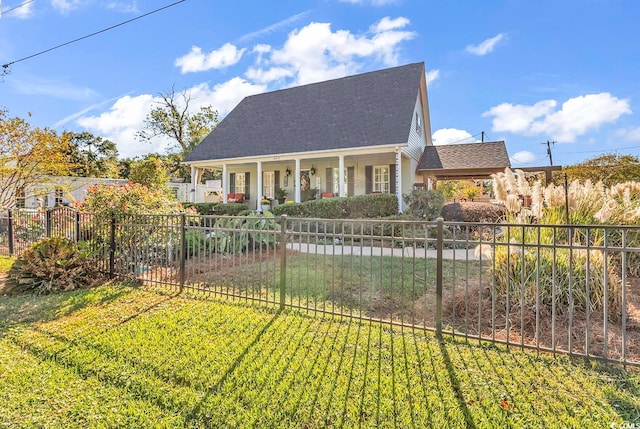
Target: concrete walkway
410, 252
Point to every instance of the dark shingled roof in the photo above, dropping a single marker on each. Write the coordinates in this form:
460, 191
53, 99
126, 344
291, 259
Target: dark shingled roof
465, 156
368, 109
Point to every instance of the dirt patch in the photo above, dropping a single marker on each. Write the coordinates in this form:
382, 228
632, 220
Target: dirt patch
489, 318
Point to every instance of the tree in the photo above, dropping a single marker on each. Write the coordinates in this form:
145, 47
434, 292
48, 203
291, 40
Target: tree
173, 119
610, 169
150, 172
27, 156
92, 156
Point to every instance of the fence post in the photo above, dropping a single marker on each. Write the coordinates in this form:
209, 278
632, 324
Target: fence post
439, 246
112, 245
183, 248
10, 233
47, 218
77, 226
283, 260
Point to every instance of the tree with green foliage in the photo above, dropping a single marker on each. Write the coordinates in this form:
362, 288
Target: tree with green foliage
174, 119
609, 169
92, 156
28, 156
150, 171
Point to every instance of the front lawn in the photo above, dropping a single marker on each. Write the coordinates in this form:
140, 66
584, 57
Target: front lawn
121, 356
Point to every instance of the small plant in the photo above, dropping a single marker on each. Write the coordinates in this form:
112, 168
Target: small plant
56, 264
309, 194
280, 194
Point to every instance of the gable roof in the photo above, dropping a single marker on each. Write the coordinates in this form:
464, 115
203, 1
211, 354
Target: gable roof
367, 109
469, 156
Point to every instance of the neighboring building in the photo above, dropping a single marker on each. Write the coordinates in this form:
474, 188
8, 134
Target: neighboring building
464, 161
59, 190
354, 135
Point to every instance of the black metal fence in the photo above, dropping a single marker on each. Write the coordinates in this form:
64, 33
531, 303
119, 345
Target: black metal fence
566, 289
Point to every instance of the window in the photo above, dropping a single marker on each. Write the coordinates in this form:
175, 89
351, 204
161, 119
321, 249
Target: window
418, 122
239, 183
268, 184
58, 197
20, 198
381, 179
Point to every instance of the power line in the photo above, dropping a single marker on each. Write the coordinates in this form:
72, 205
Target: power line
6, 66
549, 144
14, 8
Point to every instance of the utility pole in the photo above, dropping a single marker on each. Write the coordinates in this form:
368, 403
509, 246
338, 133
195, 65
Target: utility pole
482, 137
549, 144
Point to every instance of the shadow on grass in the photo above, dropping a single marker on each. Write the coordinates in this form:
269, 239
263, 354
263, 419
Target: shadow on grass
455, 384
30, 308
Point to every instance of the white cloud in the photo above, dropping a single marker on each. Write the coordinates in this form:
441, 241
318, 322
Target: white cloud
518, 118
126, 116
629, 134
65, 6
197, 61
485, 47
316, 53
273, 27
523, 157
576, 116
265, 76
23, 11
445, 136
386, 24
432, 75
124, 7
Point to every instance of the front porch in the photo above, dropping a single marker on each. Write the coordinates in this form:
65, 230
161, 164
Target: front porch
308, 176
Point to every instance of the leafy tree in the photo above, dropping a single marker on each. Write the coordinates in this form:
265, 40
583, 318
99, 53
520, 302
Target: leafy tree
27, 156
173, 119
610, 169
92, 156
129, 199
150, 171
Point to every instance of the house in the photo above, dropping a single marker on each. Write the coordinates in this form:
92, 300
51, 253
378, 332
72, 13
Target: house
361, 134
354, 135
58, 190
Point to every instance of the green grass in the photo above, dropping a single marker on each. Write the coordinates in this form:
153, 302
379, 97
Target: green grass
6, 263
119, 356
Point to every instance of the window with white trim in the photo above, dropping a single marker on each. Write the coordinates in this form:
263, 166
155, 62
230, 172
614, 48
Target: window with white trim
418, 122
381, 179
239, 183
336, 182
21, 198
268, 184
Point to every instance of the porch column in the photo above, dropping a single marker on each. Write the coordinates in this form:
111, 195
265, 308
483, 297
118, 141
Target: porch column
399, 177
259, 195
341, 175
296, 177
194, 183
225, 183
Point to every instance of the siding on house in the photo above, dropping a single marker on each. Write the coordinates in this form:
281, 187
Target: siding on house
416, 141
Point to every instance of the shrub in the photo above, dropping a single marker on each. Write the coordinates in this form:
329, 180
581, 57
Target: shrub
473, 212
129, 199
423, 204
56, 264
357, 207
218, 209
292, 209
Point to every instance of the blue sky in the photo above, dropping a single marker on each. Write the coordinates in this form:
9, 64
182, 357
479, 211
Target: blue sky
522, 71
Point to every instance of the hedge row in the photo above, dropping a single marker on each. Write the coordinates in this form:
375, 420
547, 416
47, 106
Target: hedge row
219, 209
357, 207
